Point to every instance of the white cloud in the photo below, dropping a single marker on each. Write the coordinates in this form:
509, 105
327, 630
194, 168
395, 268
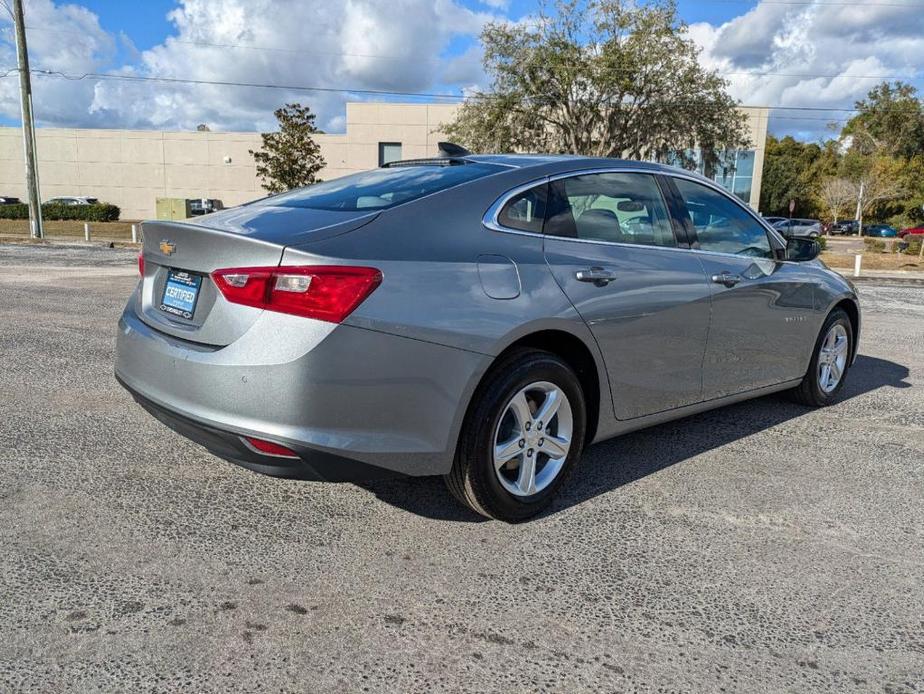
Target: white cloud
466, 68
390, 45
819, 55
66, 38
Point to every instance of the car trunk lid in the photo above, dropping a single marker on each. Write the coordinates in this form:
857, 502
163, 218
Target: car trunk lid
178, 295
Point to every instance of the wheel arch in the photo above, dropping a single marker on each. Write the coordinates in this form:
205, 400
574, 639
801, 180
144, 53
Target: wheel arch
852, 309
578, 355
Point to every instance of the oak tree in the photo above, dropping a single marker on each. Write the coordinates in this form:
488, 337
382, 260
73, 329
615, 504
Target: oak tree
610, 78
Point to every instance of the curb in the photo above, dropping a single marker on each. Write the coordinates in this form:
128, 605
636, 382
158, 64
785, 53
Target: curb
911, 278
883, 279
10, 239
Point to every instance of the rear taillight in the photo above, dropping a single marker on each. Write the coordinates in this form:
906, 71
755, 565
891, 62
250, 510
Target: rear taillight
325, 292
141, 264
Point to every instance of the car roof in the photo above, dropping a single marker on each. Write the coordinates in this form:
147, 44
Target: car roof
555, 164
522, 161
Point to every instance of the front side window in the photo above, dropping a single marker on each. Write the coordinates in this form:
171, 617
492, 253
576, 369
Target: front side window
381, 188
611, 207
722, 225
525, 211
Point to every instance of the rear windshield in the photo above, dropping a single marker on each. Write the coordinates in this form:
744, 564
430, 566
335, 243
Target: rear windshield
382, 188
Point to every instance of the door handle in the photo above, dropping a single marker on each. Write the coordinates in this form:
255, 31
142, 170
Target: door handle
598, 275
726, 278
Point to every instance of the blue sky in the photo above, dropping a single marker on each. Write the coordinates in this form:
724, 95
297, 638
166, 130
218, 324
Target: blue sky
146, 23
792, 55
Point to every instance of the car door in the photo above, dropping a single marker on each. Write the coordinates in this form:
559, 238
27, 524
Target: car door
612, 247
762, 306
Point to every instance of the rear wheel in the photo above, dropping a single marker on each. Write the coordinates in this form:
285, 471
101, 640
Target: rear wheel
830, 361
522, 435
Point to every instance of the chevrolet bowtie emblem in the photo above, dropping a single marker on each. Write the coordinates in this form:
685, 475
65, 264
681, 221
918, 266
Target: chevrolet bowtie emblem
167, 247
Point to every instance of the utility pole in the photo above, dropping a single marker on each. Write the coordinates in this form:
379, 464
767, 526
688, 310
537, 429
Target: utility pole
28, 124
860, 201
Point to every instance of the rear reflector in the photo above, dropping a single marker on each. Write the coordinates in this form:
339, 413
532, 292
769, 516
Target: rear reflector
325, 292
141, 264
269, 448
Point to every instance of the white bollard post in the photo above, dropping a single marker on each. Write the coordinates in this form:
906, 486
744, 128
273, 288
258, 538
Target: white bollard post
134, 233
86, 230
856, 265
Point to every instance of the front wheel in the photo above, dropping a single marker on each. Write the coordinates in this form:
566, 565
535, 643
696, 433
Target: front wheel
522, 435
830, 361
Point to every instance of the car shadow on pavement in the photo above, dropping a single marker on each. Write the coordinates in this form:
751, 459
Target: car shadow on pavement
611, 464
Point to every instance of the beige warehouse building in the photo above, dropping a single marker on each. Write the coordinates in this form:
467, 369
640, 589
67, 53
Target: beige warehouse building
132, 168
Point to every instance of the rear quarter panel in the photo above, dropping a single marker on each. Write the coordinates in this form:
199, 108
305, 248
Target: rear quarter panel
428, 253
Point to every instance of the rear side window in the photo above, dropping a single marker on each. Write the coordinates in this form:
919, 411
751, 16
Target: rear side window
611, 207
382, 188
525, 211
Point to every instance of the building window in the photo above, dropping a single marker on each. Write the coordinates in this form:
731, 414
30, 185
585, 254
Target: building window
735, 174
389, 152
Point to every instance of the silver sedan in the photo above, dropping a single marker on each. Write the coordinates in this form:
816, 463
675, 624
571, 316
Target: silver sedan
483, 318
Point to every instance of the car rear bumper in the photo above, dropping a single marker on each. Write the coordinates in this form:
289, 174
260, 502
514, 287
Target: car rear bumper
311, 464
343, 397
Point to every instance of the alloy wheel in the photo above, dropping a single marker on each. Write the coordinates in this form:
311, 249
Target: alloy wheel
532, 439
832, 358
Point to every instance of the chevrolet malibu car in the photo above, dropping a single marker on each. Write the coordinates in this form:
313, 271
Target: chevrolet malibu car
484, 318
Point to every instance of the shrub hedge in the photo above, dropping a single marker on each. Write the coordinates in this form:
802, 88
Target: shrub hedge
874, 245
914, 244
99, 212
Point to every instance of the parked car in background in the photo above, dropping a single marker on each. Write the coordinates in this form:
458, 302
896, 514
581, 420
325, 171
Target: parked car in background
912, 231
882, 231
478, 317
847, 227
802, 228
9, 200
72, 200
773, 220
200, 206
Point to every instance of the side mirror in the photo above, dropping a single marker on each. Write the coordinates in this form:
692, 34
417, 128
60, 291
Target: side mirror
801, 249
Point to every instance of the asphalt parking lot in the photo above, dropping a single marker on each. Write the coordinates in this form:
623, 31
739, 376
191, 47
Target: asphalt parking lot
761, 547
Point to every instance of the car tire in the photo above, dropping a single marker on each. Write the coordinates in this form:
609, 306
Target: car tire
493, 489
813, 391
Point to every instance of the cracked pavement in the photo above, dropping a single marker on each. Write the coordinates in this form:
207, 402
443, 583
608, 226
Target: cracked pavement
762, 547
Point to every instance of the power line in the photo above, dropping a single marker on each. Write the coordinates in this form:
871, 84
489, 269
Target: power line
338, 90
913, 6
254, 85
